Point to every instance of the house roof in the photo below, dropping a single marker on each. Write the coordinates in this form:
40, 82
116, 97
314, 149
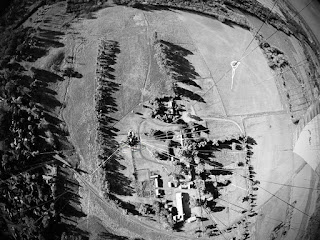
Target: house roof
179, 203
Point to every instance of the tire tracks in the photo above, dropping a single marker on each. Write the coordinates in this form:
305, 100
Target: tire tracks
149, 63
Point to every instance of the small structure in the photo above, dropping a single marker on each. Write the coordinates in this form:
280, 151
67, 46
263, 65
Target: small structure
172, 184
190, 185
183, 186
132, 139
156, 179
158, 193
154, 176
209, 199
156, 182
178, 218
191, 219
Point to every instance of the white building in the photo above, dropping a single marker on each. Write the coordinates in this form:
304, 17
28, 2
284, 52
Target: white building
179, 203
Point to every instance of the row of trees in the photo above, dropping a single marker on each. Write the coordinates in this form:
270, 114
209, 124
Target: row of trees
172, 61
213, 8
276, 58
112, 180
35, 192
220, 9
104, 107
28, 187
263, 13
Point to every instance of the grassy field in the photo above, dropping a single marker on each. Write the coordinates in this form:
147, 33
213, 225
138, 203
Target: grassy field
219, 45
295, 88
273, 152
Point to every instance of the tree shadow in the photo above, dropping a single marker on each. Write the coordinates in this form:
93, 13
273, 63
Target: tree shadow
37, 44
33, 114
112, 236
45, 76
150, 8
180, 67
162, 156
186, 205
106, 105
68, 203
71, 73
219, 172
50, 34
67, 231
32, 104
47, 43
178, 226
250, 142
130, 208
182, 92
46, 98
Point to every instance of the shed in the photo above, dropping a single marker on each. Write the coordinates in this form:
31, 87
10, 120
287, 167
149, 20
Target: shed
191, 219
171, 184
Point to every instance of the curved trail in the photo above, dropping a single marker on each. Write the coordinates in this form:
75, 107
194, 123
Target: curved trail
224, 120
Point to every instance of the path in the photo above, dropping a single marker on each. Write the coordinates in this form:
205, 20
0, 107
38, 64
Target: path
224, 120
149, 62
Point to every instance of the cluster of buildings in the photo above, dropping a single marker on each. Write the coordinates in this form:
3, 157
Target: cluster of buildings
178, 211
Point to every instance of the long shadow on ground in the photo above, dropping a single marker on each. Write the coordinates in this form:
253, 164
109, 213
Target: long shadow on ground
180, 69
106, 105
111, 236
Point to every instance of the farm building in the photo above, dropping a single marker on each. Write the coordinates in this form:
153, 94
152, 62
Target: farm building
179, 202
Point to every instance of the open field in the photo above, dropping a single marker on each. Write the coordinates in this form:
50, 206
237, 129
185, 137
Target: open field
296, 90
224, 46
273, 152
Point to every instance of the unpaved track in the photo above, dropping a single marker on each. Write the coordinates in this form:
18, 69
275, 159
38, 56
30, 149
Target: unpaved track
149, 62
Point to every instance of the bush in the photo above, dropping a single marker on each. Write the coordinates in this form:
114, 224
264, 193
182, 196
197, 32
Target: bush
221, 18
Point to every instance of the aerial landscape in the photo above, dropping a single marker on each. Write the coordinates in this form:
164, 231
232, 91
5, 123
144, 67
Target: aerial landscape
160, 120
